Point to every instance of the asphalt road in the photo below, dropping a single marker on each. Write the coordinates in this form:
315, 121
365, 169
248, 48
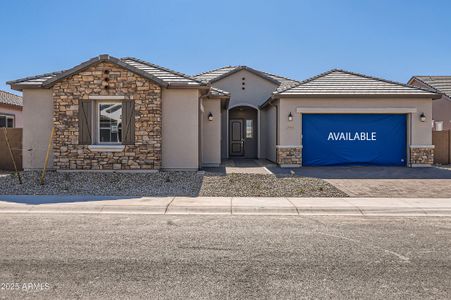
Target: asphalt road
224, 257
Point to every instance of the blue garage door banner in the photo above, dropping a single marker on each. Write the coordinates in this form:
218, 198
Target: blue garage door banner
354, 139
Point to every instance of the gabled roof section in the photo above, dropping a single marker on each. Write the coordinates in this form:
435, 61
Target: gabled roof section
340, 83
218, 74
160, 75
10, 99
168, 76
441, 84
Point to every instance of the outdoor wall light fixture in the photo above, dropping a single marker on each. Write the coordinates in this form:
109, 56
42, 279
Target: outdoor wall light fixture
290, 117
210, 117
422, 117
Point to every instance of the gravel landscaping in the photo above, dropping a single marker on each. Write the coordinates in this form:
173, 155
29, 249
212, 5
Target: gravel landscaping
259, 185
168, 184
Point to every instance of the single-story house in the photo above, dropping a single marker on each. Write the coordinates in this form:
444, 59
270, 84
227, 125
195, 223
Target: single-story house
10, 110
441, 108
129, 114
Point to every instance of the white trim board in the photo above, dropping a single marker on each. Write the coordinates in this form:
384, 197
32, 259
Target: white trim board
356, 110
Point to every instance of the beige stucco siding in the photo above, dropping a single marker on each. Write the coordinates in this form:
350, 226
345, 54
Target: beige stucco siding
224, 130
180, 130
419, 132
37, 126
16, 112
257, 90
268, 133
211, 132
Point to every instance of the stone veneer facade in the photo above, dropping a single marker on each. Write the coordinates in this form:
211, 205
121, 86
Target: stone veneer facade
289, 156
144, 154
421, 155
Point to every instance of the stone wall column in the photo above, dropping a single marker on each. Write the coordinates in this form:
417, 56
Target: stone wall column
421, 155
289, 156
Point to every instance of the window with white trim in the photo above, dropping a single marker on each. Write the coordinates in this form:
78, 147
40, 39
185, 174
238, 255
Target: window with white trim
109, 122
6, 121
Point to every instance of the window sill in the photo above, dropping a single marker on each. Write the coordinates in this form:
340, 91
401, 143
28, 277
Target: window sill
106, 148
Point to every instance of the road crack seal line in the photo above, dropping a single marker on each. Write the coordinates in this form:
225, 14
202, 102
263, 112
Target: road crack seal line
358, 208
403, 258
167, 206
297, 210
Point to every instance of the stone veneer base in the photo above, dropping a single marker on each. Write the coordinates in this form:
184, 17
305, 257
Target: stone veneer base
289, 156
421, 156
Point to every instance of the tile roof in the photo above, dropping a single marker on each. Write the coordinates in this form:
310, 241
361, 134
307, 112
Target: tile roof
344, 83
166, 75
161, 75
218, 92
10, 99
441, 84
217, 74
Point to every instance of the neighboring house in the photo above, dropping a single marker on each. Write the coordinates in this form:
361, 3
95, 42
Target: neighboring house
128, 114
441, 108
10, 110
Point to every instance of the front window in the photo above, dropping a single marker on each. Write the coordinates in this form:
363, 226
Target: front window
249, 129
6, 121
109, 120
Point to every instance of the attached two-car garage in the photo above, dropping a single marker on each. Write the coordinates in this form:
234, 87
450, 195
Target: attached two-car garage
354, 139
341, 118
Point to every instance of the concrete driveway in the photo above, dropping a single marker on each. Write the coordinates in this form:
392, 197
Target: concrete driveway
432, 182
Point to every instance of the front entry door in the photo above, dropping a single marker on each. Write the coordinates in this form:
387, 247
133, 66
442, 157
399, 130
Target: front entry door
236, 138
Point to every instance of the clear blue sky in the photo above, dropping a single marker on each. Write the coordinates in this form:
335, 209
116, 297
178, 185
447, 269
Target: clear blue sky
298, 39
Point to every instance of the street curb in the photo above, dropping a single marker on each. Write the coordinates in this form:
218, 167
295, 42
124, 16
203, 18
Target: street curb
408, 212
67, 204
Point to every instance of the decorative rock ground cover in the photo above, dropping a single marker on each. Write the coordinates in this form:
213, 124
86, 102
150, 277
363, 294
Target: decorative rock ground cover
168, 184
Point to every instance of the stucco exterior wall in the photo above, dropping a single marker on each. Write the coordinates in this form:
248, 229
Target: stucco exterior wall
180, 131
16, 112
224, 130
256, 91
419, 133
211, 133
268, 133
37, 126
441, 108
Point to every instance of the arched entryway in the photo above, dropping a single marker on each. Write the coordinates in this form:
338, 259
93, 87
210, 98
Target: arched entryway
243, 132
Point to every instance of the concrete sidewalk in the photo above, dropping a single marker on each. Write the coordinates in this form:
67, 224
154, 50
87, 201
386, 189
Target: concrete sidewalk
227, 205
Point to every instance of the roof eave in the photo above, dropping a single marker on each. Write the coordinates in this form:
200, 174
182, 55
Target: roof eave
249, 69
12, 106
211, 96
430, 96
186, 86
20, 87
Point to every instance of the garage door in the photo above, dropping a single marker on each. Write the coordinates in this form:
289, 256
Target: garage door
354, 139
